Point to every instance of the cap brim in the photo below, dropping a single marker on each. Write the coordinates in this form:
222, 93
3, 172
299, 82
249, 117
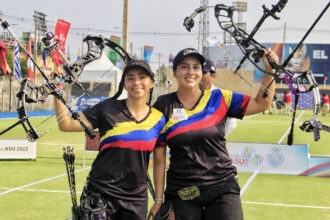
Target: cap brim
151, 74
196, 55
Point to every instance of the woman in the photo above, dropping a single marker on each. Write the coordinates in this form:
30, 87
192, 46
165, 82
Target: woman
201, 180
116, 187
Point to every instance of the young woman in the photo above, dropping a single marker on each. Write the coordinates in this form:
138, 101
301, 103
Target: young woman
116, 187
201, 180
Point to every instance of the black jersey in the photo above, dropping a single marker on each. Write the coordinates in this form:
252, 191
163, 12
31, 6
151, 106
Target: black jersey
196, 137
120, 167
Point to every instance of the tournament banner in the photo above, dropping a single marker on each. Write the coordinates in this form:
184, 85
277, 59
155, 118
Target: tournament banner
113, 56
17, 149
61, 31
147, 53
269, 158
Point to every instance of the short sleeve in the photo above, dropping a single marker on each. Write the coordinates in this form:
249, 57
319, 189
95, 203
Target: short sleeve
238, 105
94, 114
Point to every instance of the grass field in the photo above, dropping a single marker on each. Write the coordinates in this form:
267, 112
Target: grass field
39, 189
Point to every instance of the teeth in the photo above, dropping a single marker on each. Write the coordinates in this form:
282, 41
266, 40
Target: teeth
189, 79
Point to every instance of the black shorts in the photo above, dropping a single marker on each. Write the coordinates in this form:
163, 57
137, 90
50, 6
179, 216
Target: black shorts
220, 202
119, 209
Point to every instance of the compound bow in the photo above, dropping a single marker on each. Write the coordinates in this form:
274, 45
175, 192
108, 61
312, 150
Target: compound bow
299, 82
29, 93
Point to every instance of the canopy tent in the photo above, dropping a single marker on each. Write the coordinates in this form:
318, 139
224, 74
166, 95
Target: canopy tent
102, 70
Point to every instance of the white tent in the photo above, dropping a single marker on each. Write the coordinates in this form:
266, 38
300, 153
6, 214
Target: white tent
103, 70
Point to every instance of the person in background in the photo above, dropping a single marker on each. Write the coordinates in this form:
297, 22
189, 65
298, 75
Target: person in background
273, 107
201, 181
288, 102
209, 71
116, 187
325, 101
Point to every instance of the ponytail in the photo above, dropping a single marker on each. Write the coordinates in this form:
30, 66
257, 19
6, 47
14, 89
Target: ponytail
150, 95
120, 89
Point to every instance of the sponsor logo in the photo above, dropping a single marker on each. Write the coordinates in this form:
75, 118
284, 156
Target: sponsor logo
188, 51
275, 158
247, 158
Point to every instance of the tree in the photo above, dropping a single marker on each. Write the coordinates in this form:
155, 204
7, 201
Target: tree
162, 74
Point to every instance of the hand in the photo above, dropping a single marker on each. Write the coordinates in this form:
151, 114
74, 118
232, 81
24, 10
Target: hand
269, 56
57, 72
153, 211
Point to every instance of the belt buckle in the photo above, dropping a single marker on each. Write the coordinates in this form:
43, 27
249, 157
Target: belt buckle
189, 193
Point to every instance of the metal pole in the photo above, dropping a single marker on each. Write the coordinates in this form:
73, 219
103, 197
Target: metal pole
2, 93
10, 91
82, 44
125, 25
131, 49
10, 86
35, 54
283, 45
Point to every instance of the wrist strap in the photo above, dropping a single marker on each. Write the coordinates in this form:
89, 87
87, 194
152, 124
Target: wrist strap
158, 199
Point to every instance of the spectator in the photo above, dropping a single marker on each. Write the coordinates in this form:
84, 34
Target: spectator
209, 71
288, 102
273, 107
325, 101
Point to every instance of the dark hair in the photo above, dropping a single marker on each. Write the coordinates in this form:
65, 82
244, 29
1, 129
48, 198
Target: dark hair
131, 65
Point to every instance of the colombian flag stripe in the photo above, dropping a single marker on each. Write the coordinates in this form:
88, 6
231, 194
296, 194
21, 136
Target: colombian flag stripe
131, 126
239, 104
245, 102
207, 121
140, 135
133, 145
213, 102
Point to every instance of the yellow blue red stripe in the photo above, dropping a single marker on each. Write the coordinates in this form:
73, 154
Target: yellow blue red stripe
136, 136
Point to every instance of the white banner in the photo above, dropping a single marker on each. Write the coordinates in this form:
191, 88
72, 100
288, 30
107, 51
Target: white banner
269, 158
17, 149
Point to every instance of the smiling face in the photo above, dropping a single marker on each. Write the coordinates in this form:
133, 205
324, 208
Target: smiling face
138, 83
189, 73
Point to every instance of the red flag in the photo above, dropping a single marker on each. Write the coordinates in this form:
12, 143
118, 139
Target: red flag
3, 51
30, 72
61, 31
